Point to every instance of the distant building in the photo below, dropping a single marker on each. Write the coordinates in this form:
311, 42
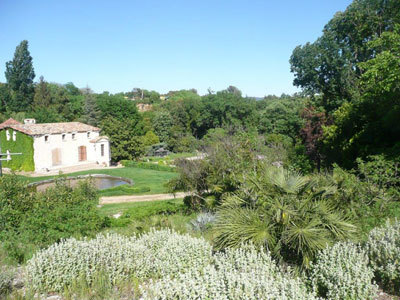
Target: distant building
144, 107
50, 146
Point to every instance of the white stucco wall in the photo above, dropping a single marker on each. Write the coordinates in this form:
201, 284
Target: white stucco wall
69, 150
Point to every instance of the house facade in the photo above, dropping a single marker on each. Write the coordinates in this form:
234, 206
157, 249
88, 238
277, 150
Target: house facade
49, 146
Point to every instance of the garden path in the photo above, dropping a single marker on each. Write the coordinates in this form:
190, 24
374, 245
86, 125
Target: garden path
140, 198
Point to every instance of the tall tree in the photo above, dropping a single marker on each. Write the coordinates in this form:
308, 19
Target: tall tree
91, 111
42, 97
370, 125
330, 66
20, 74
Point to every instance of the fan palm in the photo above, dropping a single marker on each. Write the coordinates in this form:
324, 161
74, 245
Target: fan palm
284, 211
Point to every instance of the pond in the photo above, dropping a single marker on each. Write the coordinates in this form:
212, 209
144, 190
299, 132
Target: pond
99, 181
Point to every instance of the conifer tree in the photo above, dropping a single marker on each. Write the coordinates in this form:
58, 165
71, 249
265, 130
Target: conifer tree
42, 96
20, 74
90, 110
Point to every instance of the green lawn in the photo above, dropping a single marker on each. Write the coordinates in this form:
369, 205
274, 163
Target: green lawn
139, 217
145, 181
141, 209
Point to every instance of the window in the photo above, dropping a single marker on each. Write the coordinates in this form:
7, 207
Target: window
63, 137
8, 135
14, 135
102, 149
88, 134
73, 136
46, 138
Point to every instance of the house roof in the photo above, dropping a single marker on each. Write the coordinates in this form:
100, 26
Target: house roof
48, 128
10, 121
99, 138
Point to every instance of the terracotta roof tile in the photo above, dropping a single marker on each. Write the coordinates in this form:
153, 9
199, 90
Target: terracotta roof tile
10, 121
51, 128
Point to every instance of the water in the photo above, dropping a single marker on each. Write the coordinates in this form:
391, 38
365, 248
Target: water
100, 183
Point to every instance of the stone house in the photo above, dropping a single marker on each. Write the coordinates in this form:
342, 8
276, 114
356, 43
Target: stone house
50, 146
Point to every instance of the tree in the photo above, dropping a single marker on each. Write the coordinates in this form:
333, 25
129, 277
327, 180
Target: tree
281, 116
20, 74
234, 90
330, 66
163, 123
90, 110
370, 125
125, 138
42, 97
312, 133
150, 139
5, 96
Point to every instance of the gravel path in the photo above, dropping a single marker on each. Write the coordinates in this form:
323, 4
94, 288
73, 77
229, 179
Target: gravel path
141, 198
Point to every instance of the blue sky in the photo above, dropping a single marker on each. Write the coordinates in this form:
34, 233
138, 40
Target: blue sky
164, 45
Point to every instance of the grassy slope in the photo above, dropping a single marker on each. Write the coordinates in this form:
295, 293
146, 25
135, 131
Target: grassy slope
140, 209
152, 179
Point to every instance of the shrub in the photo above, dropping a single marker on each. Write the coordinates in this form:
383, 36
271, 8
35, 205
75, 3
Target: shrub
152, 255
243, 273
34, 219
342, 272
202, 222
383, 248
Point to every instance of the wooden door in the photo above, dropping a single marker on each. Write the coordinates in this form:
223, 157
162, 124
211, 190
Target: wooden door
82, 153
56, 156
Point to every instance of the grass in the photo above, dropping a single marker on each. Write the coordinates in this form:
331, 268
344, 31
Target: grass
145, 181
141, 209
139, 217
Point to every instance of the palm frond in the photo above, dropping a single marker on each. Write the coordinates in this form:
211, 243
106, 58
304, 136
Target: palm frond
235, 226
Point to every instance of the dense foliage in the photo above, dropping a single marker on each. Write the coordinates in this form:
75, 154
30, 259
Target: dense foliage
352, 73
22, 144
29, 220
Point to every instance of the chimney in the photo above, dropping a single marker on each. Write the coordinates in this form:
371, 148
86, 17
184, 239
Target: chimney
29, 121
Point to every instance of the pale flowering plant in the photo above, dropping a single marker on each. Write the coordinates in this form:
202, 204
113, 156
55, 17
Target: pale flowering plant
343, 272
243, 273
151, 255
383, 249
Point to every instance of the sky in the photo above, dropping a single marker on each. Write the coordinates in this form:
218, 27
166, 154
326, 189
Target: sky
164, 45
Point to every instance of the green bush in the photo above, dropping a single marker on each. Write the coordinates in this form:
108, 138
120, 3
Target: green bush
149, 166
32, 219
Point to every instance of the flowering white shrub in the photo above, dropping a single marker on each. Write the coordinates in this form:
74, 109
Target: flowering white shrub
342, 272
236, 274
383, 249
155, 254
